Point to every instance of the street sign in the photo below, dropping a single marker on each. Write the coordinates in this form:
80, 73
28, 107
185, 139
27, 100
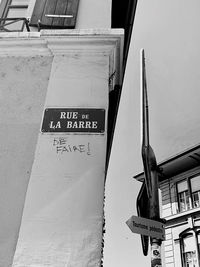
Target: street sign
74, 120
146, 227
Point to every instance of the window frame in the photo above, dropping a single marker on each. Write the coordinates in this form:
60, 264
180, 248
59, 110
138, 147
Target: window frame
190, 193
194, 232
186, 198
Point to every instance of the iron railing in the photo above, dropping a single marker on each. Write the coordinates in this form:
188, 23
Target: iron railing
6, 22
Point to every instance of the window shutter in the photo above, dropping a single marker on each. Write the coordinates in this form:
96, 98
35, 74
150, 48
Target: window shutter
52, 13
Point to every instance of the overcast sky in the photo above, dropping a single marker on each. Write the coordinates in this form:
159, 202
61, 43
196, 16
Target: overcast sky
169, 33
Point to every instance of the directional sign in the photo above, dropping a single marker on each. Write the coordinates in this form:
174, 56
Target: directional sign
146, 227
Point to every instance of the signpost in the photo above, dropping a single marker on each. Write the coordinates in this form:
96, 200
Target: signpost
149, 224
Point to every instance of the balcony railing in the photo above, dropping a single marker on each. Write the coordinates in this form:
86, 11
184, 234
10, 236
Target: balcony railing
14, 25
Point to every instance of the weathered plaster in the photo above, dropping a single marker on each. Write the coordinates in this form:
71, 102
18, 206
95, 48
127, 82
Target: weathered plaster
24, 75
63, 212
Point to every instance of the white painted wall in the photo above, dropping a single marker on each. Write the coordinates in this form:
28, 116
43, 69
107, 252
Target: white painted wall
24, 78
94, 14
63, 213
62, 222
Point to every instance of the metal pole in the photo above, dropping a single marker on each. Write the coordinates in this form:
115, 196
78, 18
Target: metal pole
155, 214
150, 168
155, 252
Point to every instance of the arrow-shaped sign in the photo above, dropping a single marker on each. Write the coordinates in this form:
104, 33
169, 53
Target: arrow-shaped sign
146, 227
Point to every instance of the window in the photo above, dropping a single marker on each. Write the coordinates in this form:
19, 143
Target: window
189, 251
13, 15
55, 14
188, 192
183, 196
195, 188
189, 241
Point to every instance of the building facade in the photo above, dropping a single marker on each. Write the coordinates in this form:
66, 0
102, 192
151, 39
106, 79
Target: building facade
180, 190
179, 184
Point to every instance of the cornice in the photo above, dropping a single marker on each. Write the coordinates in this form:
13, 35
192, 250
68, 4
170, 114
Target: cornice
19, 44
108, 42
183, 215
104, 42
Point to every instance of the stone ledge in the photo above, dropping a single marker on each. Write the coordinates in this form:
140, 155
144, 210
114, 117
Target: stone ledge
90, 41
65, 32
84, 32
60, 42
20, 35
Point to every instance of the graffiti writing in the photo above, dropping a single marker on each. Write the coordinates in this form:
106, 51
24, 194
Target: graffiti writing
62, 145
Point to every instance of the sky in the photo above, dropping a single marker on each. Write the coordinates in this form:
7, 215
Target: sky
169, 33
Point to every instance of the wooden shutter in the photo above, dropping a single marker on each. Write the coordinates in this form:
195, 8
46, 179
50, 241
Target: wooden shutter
45, 12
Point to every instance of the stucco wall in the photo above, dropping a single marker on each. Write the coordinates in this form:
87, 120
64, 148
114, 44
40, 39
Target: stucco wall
63, 213
63, 208
24, 77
